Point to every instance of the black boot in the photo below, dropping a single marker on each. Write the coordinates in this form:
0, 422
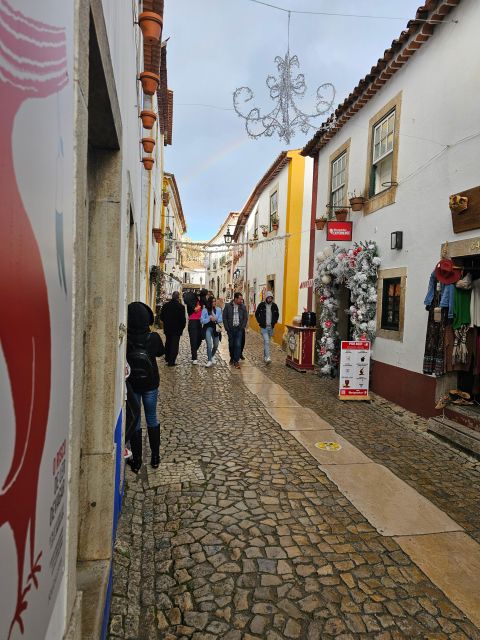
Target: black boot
136, 445
154, 439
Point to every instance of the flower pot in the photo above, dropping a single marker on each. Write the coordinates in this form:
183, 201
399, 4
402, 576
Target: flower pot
274, 227
149, 82
157, 234
357, 203
148, 119
264, 234
151, 25
341, 214
165, 198
148, 162
162, 259
148, 144
320, 223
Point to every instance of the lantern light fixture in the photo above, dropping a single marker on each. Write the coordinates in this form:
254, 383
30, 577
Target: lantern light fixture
396, 240
228, 236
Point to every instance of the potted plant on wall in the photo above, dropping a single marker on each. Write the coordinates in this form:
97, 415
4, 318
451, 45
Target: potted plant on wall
148, 162
148, 144
264, 229
149, 82
151, 25
165, 197
356, 202
341, 213
148, 118
275, 221
321, 222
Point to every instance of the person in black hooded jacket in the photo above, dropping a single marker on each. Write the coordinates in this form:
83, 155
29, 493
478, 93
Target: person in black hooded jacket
143, 349
174, 321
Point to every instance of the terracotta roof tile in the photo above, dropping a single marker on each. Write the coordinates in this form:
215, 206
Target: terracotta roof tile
400, 51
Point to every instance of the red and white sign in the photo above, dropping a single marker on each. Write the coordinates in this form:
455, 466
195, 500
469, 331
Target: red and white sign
354, 370
339, 231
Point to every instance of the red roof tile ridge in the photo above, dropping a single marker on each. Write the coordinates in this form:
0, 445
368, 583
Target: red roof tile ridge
418, 31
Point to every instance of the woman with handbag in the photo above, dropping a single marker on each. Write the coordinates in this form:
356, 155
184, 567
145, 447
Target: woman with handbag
211, 320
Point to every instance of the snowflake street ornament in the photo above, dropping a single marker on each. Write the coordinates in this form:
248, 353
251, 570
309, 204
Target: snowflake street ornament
285, 118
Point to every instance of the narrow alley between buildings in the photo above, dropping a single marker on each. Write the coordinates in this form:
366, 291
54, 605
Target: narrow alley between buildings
248, 531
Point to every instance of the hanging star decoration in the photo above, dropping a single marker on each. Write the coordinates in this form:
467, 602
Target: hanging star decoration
285, 118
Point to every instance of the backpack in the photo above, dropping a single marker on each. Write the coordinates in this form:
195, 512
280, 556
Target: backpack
190, 299
143, 370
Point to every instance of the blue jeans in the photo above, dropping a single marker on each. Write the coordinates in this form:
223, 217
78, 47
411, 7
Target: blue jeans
149, 406
212, 343
235, 342
267, 334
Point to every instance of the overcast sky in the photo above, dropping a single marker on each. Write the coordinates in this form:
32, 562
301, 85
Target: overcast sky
218, 45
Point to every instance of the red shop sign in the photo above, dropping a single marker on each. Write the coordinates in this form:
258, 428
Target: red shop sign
340, 231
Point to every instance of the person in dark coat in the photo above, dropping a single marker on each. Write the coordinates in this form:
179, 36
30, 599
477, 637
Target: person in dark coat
143, 349
235, 319
267, 315
174, 321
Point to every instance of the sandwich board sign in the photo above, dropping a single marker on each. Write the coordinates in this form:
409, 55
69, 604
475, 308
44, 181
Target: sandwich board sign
354, 370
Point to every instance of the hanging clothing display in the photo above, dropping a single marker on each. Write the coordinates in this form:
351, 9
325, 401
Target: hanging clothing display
434, 356
452, 364
461, 307
447, 292
475, 304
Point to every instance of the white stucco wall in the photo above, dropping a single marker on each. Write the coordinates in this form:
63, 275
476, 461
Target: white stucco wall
440, 106
268, 258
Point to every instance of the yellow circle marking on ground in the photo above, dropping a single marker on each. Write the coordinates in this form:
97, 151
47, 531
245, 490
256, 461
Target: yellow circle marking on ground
328, 446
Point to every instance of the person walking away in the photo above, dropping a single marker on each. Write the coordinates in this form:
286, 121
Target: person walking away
194, 310
174, 321
235, 318
143, 349
267, 317
211, 321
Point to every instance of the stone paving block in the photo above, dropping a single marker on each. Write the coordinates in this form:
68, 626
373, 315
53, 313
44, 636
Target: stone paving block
391, 505
258, 531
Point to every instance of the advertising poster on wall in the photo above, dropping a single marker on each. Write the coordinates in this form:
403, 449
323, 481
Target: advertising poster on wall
354, 370
35, 324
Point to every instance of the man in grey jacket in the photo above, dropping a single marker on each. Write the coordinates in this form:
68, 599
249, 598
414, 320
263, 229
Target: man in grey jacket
235, 319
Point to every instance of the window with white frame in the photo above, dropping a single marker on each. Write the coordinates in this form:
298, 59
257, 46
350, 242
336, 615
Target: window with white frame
382, 156
338, 181
273, 209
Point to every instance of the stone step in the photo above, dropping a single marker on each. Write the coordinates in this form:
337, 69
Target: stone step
465, 415
456, 433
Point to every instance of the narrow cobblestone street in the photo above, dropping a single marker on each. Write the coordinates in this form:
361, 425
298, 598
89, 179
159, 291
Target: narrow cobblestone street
240, 535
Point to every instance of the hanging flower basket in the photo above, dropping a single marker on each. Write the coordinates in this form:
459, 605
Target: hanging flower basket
341, 214
162, 259
320, 223
165, 198
148, 144
357, 203
275, 226
149, 82
148, 119
148, 162
264, 234
151, 25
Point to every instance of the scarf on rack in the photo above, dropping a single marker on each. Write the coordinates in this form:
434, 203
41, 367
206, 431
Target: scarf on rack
460, 352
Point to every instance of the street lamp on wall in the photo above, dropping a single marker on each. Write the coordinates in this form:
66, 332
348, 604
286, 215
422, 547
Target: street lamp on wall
228, 237
396, 240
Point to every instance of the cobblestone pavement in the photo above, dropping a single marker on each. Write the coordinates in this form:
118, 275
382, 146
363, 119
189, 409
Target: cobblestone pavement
239, 535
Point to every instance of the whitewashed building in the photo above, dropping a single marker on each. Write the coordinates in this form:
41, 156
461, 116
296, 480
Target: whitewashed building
406, 139
219, 260
270, 236
79, 207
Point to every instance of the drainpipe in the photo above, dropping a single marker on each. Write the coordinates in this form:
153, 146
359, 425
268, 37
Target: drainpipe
311, 259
